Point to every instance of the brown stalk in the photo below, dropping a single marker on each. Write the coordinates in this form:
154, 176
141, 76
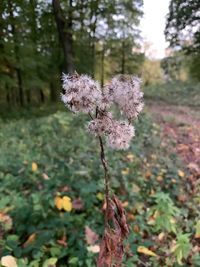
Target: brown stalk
106, 174
106, 178
116, 228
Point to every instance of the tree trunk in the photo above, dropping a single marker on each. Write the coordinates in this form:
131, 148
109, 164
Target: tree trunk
28, 96
93, 26
20, 87
102, 65
17, 57
7, 96
123, 57
42, 97
65, 34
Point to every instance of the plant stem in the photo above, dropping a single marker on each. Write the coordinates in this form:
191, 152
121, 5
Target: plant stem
105, 167
106, 178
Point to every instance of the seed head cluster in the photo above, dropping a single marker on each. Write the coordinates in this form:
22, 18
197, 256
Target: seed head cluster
82, 94
125, 91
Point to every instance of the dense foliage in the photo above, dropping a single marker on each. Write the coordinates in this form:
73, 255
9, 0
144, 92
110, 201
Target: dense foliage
183, 30
40, 39
178, 93
48, 157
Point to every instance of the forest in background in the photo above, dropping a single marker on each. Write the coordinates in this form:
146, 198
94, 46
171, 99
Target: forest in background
42, 39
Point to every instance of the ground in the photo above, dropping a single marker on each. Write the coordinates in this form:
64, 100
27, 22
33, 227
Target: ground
51, 205
181, 123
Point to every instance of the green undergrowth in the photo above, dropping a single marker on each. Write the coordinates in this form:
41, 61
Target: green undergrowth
44, 157
178, 93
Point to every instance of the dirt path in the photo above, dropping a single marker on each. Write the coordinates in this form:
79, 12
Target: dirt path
183, 125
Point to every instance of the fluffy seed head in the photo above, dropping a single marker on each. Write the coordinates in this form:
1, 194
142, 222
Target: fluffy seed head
124, 90
80, 93
103, 124
121, 135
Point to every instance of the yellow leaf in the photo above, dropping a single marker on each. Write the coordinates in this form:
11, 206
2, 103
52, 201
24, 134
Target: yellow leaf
181, 173
8, 261
100, 196
58, 202
34, 166
159, 178
197, 234
146, 251
30, 240
66, 203
148, 174
125, 171
130, 157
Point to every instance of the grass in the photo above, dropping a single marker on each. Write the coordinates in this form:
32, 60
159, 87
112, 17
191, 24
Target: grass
45, 156
178, 93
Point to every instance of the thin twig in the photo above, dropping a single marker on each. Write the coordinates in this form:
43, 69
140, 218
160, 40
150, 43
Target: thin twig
105, 167
106, 178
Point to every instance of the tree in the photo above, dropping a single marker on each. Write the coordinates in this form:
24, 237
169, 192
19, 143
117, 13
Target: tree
64, 25
183, 30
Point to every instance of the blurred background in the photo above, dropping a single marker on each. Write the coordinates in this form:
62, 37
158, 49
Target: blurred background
41, 39
46, 154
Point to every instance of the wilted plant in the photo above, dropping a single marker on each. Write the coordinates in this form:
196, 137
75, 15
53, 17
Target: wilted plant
82, 94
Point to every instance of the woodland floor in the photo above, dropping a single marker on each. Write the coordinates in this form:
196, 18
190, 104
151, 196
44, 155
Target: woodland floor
181, 123
47, 154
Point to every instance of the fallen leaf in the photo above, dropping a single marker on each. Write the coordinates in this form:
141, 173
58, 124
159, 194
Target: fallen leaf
6, 221
125, 204
146, 251
194, 167
63, 203
197, 233
181, 173
131, 217
182, 198
135, 188
77, 204
148, 174
159, 178
8, 261
94, 248
65, 189
58, 202
153, 156
136, 228
66, 203
45, 176
34, 166
161, 236
62, 241
183, 148
90, 236
125, 171
130, 157
100, 196
30, 240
